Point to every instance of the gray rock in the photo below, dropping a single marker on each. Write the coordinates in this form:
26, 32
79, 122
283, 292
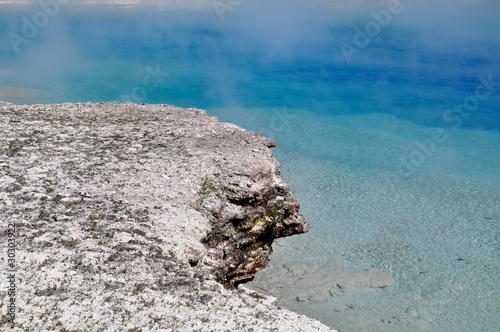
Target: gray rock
140, 217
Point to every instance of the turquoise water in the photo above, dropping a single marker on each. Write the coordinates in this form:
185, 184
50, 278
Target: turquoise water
394, 155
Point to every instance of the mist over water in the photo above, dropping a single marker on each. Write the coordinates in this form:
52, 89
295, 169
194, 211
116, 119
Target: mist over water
391, 141
270, 54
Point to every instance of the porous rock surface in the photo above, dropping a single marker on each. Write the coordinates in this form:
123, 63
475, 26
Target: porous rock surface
140, 218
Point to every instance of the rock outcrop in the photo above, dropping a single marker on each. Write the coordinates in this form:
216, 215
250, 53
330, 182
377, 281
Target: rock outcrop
140, 218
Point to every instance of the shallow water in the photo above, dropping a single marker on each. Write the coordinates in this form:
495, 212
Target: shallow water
388, 176
436, 232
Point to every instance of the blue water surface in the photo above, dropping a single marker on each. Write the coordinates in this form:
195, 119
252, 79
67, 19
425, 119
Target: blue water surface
394, 153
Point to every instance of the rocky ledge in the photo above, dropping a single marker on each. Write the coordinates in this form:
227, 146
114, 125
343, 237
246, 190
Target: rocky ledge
139, 218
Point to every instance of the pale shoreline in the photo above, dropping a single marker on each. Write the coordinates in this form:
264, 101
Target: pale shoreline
125, 3
18, 95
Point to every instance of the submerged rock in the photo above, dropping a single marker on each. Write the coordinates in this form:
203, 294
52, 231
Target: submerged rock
307, 283
133, 217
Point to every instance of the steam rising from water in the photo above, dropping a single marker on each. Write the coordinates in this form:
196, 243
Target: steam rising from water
459, 40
